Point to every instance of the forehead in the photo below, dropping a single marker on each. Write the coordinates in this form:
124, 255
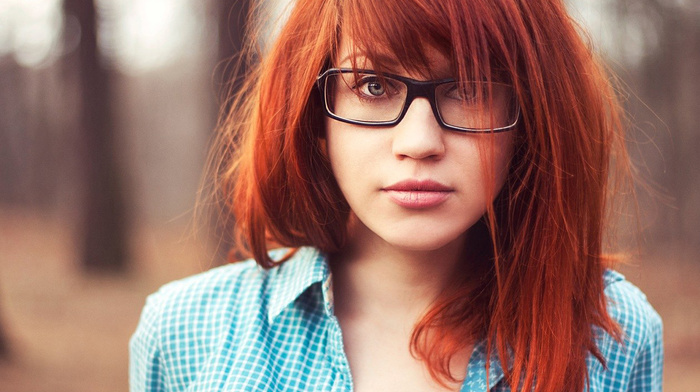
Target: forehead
467, 39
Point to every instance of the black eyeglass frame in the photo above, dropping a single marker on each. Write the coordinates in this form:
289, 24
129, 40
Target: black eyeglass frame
414, 89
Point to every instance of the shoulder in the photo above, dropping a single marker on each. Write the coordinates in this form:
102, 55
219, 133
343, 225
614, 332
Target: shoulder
235, 287
190, 313
209, 288
187, 322
635, 363
629, 307
228, 295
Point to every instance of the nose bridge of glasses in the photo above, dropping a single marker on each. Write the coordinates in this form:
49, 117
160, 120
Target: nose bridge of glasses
420, 89
420, 109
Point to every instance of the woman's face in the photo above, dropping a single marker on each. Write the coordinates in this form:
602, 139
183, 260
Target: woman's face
415, 185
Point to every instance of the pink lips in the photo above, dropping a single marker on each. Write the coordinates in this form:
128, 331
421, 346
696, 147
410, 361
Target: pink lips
418, 194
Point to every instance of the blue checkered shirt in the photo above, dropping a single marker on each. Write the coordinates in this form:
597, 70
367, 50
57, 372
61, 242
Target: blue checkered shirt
242, 328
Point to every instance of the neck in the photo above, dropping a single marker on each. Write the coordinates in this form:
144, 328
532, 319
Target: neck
372, 278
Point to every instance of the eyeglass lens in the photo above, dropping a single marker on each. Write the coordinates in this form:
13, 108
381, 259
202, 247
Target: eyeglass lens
372, 99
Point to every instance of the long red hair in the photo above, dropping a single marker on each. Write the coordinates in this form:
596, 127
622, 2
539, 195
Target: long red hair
535, 288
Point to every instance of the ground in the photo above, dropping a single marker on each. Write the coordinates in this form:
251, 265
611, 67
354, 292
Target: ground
69, 331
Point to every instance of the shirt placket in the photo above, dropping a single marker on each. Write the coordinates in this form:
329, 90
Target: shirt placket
342, 379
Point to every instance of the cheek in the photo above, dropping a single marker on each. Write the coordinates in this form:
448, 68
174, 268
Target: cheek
353, 152
503, 157
342, 152
495, 154
332, 145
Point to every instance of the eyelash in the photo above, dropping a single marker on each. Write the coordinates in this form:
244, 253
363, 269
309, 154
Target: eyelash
362, 82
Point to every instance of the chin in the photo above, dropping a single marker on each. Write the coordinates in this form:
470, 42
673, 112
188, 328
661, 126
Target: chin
422, 242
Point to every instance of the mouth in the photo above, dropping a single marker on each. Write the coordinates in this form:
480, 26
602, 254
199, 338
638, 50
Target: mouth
418, 194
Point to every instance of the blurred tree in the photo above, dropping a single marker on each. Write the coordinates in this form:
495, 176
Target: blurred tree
667, 80
4, 345
13, 135
233, 16
104, 224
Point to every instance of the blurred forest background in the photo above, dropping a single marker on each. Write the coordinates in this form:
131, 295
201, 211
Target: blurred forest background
106, 111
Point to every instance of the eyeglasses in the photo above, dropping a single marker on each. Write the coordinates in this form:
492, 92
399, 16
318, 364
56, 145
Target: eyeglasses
363, 97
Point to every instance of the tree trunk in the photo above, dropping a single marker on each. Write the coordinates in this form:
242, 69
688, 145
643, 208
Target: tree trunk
230, 74
104, 224
4, 341
233, 16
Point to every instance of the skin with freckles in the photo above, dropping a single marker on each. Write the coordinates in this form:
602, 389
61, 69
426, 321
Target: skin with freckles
415, 189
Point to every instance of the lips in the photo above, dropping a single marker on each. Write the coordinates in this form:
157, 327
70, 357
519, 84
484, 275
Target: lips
418, 194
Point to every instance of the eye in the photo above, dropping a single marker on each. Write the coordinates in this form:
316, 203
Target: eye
375, 88
461, 91
371, 86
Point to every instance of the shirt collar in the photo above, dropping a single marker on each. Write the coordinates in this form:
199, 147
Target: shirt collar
309, 266
289, 280
476, 370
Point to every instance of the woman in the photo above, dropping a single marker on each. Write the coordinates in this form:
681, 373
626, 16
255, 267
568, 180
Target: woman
439, 172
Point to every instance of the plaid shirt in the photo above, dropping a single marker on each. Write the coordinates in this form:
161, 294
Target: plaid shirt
241, 328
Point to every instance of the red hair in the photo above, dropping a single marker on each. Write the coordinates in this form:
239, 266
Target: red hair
534, 290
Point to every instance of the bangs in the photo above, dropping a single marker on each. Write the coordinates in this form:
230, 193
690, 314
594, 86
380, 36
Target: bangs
393, 34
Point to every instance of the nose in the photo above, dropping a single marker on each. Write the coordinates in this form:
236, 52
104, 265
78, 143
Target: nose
418, 135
